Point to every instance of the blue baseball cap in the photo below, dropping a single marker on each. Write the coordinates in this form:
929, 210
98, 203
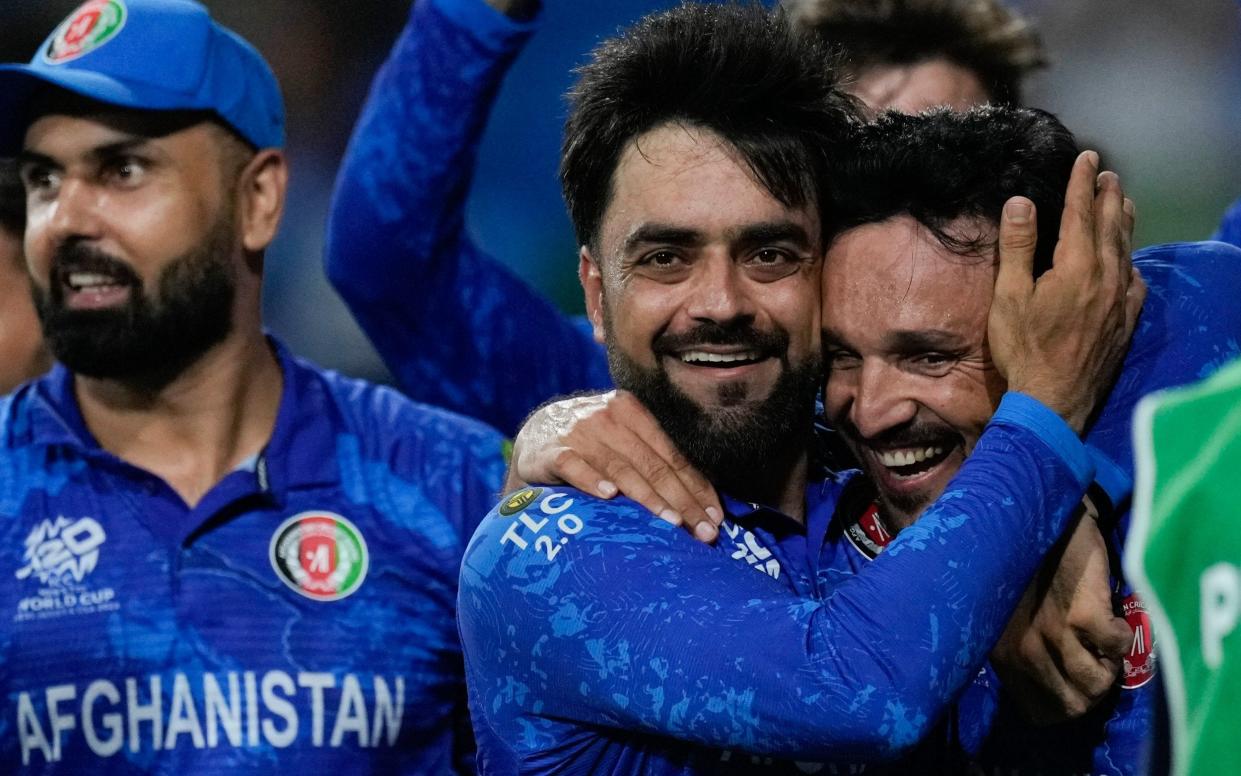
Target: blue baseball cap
148, 55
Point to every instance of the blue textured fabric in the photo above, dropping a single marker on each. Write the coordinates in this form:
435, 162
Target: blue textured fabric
141, 636
595, 634
1189, 326
1230, 227
457, 328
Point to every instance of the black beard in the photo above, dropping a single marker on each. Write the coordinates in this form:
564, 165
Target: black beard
150, 341
746, 448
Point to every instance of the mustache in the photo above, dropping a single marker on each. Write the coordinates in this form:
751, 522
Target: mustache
913, 434
80, 257
739, 332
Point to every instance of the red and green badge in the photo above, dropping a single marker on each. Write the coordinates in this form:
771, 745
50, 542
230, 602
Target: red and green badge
320, 555
93, 24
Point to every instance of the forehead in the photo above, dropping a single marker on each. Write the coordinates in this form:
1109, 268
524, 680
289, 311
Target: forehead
895, 275
687, 176
74, 133
914, 88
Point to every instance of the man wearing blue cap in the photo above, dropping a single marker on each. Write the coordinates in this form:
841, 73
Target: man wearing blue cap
219, 558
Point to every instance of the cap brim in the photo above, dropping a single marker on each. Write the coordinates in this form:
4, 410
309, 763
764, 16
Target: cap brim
19, 84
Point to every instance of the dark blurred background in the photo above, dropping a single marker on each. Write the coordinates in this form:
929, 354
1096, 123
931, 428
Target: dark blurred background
1156, 85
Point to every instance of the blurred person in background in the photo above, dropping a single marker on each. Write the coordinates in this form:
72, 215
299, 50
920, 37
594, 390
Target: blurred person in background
222, 558
909, 55
22, 354
451, 322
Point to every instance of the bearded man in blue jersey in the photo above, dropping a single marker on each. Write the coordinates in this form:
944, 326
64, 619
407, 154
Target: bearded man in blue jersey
599, 637
218, 558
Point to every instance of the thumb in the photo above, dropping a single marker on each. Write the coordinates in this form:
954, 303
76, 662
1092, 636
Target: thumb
1018, 236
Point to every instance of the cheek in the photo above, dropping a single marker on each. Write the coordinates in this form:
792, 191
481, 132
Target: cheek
967, 408
635, 314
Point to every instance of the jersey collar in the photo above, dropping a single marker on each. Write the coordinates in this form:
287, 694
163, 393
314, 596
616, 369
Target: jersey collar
300, 454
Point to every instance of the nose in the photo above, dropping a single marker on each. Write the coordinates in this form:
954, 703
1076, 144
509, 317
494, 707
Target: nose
719, 293
878, 399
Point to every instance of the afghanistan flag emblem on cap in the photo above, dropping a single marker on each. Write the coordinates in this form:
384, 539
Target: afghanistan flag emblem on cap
93, 24
320, 555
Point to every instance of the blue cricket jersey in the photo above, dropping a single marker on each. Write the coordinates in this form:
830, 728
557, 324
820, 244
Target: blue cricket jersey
601, 639
1190, 325
475, 339
1230, 227
300, 618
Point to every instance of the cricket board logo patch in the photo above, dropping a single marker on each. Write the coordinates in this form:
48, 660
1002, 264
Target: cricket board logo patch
1139, 666
93, 24
321, 555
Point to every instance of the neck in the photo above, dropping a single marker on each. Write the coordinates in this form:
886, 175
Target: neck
194, 430
783, 487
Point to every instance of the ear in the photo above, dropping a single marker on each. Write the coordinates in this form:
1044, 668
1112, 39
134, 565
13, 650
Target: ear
262, 187
592, 285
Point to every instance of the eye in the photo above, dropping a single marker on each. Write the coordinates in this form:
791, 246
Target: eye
767, 264
662, 258
39, 179
125, 170
932, 363
841, 360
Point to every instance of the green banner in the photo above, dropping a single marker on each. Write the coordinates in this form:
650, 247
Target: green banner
1184, 555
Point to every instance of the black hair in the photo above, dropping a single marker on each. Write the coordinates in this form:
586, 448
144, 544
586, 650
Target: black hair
943, 165
743, 72
12, 199
982, 36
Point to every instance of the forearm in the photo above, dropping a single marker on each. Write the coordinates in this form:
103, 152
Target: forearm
732, 659
399, 202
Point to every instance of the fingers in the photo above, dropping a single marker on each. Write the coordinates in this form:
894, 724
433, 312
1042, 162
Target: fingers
1075, 246
1130, 220
1017, 241
626, 446
572, 469
703, 502
608, 444
1110, 241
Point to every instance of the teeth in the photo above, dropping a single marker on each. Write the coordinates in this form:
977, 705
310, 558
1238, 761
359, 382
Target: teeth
908, 457
84, 279
699, 356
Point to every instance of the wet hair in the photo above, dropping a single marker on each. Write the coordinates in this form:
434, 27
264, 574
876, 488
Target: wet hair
740, 71
982, 36
12, 199
942, 165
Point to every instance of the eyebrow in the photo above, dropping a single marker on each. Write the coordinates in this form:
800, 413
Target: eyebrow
747, 236
773, 232
906, 341
99, 153
662, 233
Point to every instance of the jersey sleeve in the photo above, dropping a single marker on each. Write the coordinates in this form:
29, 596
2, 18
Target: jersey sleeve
576, 609
1229, 230
454, 325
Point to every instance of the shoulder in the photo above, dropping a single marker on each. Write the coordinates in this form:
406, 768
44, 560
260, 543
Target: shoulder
1189, 264
1190, 311
407, 460
389, 424
542, 531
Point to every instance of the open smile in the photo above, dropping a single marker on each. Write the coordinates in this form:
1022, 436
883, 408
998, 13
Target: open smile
909, 470
93, 290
